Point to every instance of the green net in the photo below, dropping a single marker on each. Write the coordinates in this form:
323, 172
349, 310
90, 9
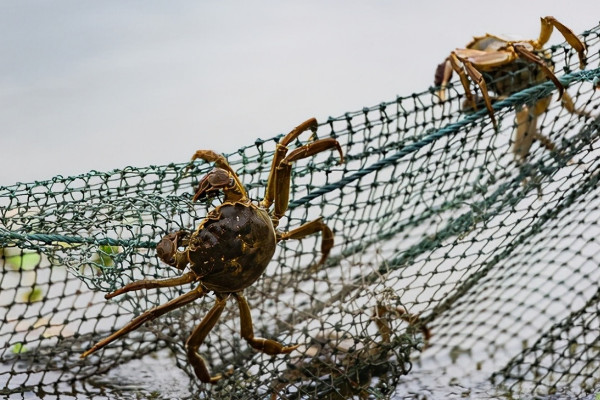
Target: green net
456, 270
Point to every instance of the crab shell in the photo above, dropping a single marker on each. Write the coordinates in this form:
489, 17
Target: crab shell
232, 247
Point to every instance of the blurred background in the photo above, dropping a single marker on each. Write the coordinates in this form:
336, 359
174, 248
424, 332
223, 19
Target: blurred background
104, 85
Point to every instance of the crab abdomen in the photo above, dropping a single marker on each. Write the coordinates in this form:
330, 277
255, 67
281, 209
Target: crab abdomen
232, 247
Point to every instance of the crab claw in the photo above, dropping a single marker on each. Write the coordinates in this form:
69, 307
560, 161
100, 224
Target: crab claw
166, 249
213, 182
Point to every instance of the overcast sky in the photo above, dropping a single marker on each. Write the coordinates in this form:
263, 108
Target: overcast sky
101, 85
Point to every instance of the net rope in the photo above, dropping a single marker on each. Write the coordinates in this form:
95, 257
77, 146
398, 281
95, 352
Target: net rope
452, 261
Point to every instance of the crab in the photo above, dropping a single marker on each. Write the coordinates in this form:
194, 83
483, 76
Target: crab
231, 248
346, 365
509, 66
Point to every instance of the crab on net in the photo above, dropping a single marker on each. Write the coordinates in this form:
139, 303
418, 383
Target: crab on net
441, 248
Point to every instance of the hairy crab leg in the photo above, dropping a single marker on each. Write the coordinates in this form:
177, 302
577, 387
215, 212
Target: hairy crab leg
284, 170
532, 57
197, 337
524, 134
308, 229
455, 63
279, 155
480, 81
268, 346
383, 325
527, 132
569, 105
546, 31
443, 74
148, 316
154, 283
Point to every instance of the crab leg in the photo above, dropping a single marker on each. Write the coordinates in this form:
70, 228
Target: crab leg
148, 316
443, 74
455, 64
308, 229
567, 102
546, 31
526, 133
198, 336
526, 120
154, 283
284, 170
379, 317
529, 56
310, 123
480, 81
268, 346
279, 155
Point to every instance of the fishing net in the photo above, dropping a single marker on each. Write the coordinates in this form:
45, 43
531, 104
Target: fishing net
456, 269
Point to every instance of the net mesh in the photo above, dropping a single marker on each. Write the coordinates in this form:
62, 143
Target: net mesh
455, 268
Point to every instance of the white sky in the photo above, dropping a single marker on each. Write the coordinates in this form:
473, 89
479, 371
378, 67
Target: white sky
102, 85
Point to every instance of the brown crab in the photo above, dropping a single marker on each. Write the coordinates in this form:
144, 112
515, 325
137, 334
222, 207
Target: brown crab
231, 247
510, 66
